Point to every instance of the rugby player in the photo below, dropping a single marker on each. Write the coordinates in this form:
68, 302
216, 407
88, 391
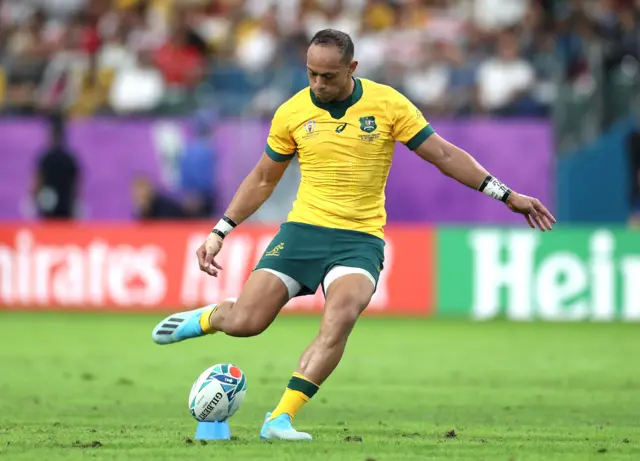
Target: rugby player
343, 129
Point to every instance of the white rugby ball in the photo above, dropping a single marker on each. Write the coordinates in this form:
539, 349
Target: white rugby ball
217, 393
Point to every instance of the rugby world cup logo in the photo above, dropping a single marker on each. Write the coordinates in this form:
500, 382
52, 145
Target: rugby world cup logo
310, 126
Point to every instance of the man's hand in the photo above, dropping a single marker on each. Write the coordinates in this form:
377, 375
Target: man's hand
206, 254
534, 211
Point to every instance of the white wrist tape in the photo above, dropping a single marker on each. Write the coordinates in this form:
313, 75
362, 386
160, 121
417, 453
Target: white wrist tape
224, 226
494, 188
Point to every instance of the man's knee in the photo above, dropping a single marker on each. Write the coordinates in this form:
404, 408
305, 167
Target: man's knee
243, 327
349, 296
337, 327
342, 310
346, 309
258, 304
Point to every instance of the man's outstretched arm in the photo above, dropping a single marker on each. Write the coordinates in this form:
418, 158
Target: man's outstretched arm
256, 188
459, 165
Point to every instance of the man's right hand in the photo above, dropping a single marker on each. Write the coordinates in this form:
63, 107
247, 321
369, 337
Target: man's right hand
206, 254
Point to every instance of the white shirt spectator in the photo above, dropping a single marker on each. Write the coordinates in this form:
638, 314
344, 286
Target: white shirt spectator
370, 53
257, 50
500, 80
427, 86
344, 22
136, 89
491, 15
116, 56
213, 29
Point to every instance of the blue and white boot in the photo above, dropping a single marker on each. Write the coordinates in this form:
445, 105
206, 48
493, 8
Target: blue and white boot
178, 327
280, 428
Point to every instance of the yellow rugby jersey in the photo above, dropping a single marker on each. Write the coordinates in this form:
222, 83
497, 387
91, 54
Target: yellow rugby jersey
345, 150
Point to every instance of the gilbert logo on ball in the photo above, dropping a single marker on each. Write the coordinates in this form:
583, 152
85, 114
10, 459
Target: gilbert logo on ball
215, 397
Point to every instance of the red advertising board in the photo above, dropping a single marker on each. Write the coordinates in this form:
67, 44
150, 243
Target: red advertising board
141, 267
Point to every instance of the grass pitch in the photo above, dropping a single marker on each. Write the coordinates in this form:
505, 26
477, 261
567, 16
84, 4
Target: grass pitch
94, 386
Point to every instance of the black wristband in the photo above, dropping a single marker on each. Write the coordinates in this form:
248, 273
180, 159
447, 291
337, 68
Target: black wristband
229, 221
219, 233
484, 183
492, 187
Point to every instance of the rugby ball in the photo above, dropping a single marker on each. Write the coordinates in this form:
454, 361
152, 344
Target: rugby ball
217, 393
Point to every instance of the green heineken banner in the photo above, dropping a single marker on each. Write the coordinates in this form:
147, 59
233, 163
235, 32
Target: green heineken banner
564, 275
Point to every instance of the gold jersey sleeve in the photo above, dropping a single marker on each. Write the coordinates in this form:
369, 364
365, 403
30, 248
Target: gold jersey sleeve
280, 144
409, 127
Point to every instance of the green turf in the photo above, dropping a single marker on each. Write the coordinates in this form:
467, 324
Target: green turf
510, 391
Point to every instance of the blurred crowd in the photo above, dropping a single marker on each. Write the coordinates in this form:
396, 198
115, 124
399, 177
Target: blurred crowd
88, 57
634, 162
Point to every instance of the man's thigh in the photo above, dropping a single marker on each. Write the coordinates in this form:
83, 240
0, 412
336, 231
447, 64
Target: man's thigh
262, 297
354, 253
352, 275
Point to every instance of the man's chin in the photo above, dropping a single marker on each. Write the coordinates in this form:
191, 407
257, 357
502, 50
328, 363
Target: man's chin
324, 98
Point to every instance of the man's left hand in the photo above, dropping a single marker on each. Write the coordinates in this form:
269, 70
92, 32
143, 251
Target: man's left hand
533, 210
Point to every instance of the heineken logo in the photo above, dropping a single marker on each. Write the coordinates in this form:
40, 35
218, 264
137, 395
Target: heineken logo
525, 276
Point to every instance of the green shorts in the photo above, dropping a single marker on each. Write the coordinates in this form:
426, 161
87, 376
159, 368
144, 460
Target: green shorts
307, 253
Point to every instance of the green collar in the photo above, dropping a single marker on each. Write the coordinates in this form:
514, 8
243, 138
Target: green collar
337, 109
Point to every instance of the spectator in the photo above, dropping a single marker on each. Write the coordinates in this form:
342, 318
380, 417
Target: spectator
149, 203
137, 89
213, 22
634, 163
243, 54
63, 76
330, 15
427, 84
258, 43
57, 177
179, 60
463, 68
26, 52
114, 54
505, 81
496, 15
93, 91
147, 21
197, 169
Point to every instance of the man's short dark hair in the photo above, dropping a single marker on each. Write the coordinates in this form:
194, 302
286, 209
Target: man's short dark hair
332, 37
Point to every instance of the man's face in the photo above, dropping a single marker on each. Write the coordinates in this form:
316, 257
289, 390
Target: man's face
328, 73
142, 192
508, 48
